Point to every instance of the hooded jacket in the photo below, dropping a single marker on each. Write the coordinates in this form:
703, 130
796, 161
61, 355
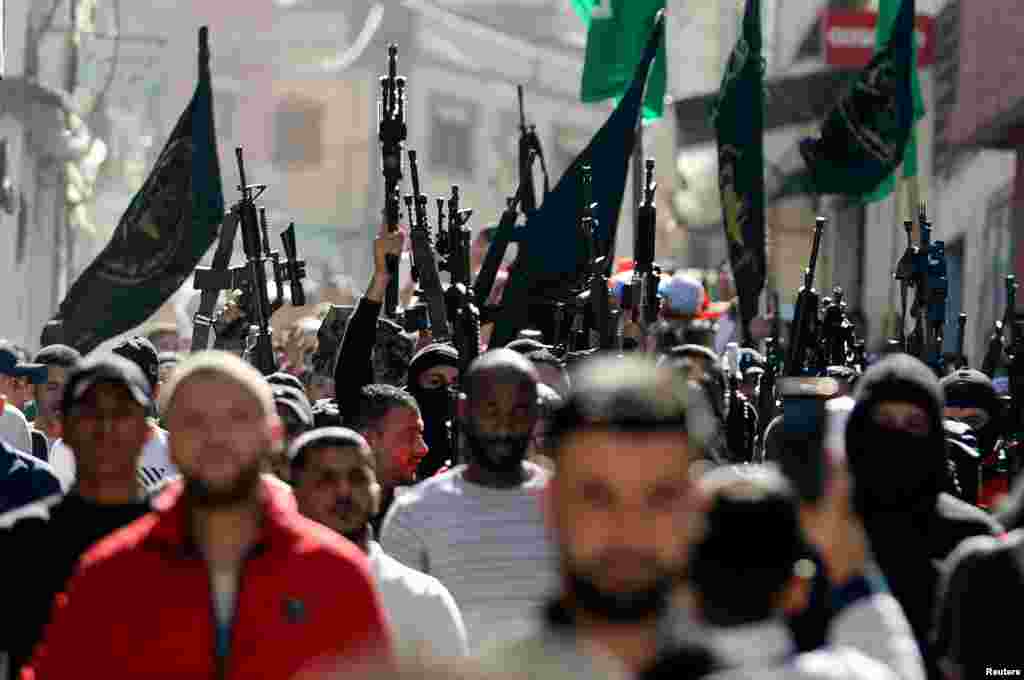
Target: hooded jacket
899, 489
435, 406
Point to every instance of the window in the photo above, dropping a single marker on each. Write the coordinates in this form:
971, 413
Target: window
994, 263
298, 133
453, 124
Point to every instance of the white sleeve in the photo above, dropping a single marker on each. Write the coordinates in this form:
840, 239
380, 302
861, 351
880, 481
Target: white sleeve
400, 539
876, 626
445, 630
62, 460
16, 429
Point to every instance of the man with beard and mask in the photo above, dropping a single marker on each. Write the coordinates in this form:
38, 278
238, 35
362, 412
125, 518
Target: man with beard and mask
478, 527
103, 411
335, 479
896, 449
623, 509
389, 419
433, 374
279, 591
971, 400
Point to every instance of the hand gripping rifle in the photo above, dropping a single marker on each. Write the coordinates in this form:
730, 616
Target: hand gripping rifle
424, 257
804, 338
996, 343
643, 289
529, 151
392, 132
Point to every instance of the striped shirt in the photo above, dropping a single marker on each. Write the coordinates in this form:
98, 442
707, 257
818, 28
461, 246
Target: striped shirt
488, 546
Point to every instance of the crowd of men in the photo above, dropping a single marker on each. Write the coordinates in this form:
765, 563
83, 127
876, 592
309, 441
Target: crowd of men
169, 514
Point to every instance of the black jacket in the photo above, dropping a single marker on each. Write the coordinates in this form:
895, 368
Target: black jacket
354, 368
908, 538
39, 557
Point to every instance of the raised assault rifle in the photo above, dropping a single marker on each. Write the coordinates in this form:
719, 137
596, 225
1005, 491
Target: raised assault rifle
643, 290
804, 340
424, 257
392, 132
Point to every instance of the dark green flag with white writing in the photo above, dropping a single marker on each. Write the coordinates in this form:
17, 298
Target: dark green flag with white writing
864, 138
168, 227
739, 124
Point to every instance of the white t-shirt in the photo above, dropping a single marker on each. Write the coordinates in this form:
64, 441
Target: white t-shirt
488, 546
154, 463
423, 614
14, 429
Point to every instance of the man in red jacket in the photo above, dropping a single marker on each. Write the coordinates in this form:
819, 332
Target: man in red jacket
226, 579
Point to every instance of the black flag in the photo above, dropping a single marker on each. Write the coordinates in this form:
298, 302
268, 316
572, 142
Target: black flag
168, 227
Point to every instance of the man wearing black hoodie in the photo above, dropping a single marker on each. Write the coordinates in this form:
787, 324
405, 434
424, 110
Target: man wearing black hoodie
896, 451
433, 373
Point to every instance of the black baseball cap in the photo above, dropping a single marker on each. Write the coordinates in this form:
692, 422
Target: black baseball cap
107, 368
143, 354
10, 365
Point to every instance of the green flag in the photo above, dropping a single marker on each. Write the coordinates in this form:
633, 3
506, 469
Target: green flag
739, 124
865, 135
617, 31
168, 227
887, 11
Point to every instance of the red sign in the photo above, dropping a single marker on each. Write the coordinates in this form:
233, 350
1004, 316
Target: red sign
848, 38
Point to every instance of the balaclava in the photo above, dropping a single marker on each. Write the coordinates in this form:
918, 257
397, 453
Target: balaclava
435, 405
968, 388
895, 470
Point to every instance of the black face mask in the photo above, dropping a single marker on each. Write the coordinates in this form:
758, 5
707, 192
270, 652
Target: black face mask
435, 409
501, 454
895, 470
